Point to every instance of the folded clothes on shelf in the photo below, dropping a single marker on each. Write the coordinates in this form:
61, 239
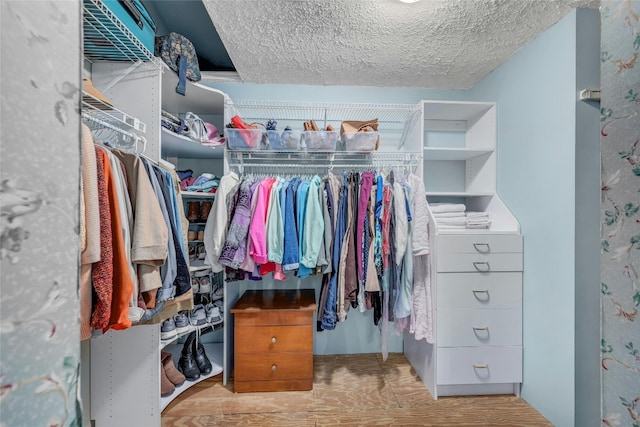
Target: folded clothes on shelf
447, 207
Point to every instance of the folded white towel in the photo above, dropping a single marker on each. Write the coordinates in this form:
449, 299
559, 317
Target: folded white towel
452, 221
471, 214
484, 225
447, 207
451, 227
448, 214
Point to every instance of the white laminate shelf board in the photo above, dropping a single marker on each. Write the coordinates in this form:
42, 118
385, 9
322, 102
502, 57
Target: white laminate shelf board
174, 145
214, 354
197, 195
459, 194
198, 98
440, 153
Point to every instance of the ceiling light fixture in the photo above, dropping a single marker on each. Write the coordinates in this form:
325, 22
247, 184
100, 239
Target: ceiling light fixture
409, 1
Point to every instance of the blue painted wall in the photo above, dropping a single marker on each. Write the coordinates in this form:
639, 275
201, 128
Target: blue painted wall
540, 141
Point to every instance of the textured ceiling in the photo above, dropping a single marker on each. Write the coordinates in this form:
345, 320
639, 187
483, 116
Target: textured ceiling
449, 44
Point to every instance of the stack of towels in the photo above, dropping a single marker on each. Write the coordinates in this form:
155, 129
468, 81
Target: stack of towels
455, 216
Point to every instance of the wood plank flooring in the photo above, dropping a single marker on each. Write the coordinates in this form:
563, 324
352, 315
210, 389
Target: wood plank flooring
352, 390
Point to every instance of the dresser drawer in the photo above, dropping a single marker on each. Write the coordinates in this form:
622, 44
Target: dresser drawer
479, 243
279, 317
487, 290
479, 365
273, 366
483, 263
479, 327
265, 339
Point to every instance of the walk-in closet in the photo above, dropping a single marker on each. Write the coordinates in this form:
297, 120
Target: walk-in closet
257, 252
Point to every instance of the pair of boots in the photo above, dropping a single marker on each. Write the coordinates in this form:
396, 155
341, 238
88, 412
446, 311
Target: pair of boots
197, 211
170, 377
193, 360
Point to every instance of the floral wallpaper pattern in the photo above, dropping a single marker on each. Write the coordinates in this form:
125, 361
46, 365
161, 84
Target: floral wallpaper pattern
39, 205
620, 213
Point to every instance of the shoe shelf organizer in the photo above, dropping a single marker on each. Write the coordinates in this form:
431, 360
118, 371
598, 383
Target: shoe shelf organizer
204, 329
214, 354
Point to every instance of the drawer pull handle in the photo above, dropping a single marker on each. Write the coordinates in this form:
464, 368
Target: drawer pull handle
481, 295
476, 329
274, 367
481, 265
273, 340
481, 247
480, 366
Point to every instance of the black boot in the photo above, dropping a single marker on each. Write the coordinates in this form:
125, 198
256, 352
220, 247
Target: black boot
187, 362
204, 365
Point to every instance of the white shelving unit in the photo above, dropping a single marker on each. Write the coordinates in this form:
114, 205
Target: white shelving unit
476, 274
214, 354
125, 365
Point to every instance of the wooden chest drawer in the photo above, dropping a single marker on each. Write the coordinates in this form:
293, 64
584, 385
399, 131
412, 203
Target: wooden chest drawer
479, 365
467, 328
488, 290
273, 334
276, 366
479, 243
273, 339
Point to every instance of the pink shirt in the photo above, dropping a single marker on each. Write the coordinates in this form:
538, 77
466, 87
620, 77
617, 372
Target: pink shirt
257, 230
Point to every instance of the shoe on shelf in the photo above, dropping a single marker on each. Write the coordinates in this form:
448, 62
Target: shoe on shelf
182, 322
201, 235
192, 235
218, 294
205, 284
170, 369
214, 316
166, 386
193, 211
202, 361
187, 363
168, 329
198, 315
205, 208
201, 251
195, 284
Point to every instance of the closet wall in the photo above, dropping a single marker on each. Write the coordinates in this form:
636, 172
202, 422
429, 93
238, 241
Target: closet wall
548, 177
39, 199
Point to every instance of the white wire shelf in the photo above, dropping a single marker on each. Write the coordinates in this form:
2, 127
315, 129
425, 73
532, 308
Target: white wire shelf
389, 115
93, 108
106, 38
301, 162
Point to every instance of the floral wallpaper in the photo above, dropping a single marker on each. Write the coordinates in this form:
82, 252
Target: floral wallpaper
39, 196
620, 261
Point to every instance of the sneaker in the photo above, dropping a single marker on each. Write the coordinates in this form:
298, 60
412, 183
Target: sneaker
182, 322
214, 316
205, 285
218, 294
195, 285
168, 329
198, 315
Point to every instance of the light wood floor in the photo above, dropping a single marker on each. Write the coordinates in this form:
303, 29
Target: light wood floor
354, 390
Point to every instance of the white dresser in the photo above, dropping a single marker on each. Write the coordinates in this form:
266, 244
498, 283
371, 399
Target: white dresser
478, 312
476, 274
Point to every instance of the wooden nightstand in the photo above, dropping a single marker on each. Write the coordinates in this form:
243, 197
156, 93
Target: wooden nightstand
274, 340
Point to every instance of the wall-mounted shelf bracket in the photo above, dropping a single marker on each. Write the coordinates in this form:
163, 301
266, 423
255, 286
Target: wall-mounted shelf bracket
590, 95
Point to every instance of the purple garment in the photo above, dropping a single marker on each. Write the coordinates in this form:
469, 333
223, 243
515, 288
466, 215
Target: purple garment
365, 194
235, 246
